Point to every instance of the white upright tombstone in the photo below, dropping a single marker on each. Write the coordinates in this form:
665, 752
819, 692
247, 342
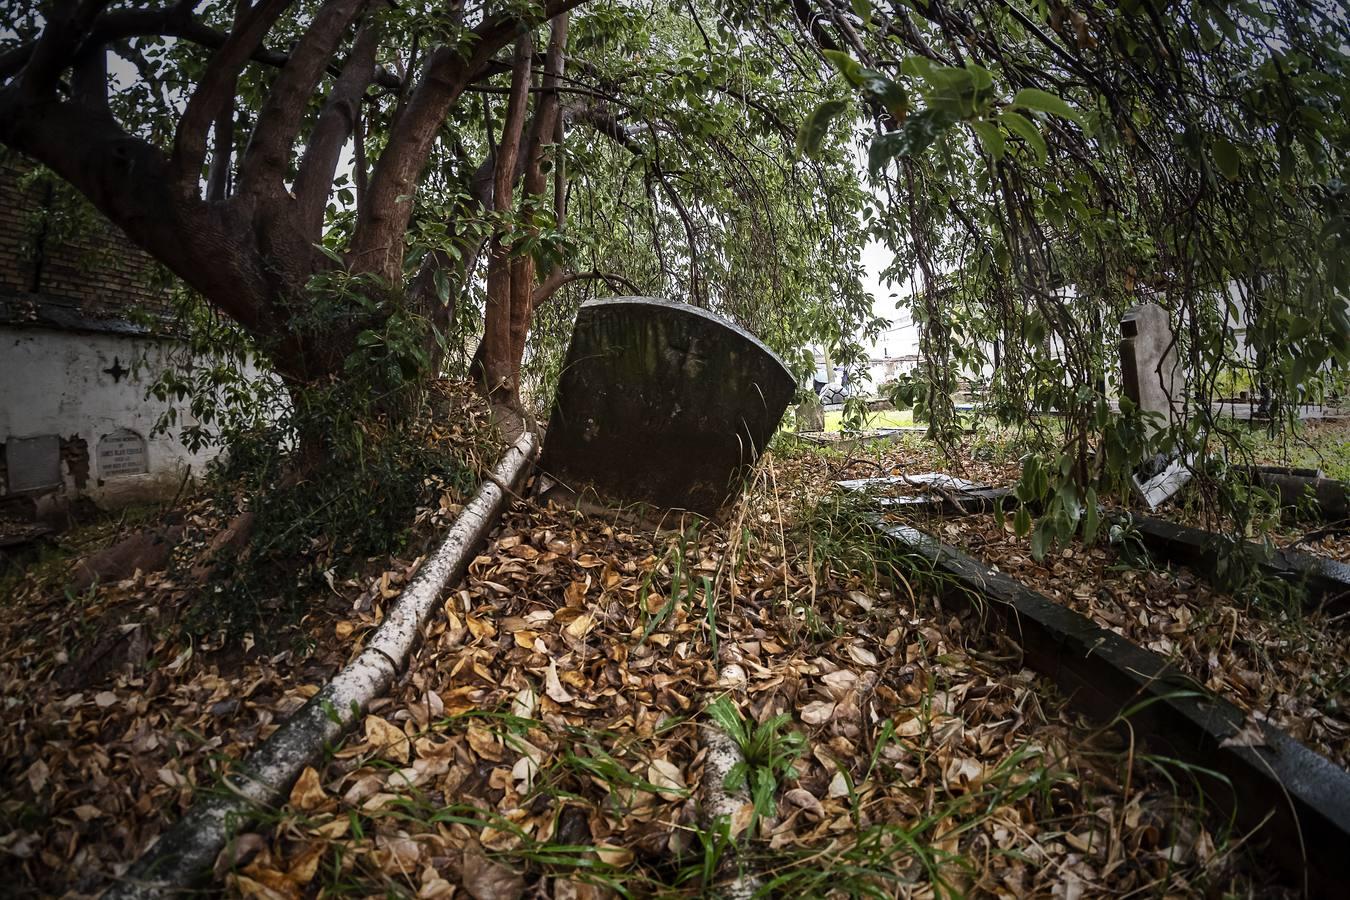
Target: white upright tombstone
1150, 375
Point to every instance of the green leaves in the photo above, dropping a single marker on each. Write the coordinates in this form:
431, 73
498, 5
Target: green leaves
888, 94
915, 136
863, 9
1225, 155
991, 138
728, 718
768, 750
811, 134
1021, 126
1044, 101
960, 92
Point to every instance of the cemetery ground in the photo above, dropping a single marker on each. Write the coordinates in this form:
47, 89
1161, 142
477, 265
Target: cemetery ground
550, 735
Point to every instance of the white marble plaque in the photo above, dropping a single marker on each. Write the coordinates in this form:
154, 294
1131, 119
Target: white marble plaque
122, 453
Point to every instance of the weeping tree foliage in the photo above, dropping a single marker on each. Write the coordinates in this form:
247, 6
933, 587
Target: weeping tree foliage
366, 189
1042, 167
371, 192
369, 195
683, 177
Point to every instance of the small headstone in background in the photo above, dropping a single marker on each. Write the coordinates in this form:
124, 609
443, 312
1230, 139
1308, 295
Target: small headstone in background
122, 453
810, 415
1150, 375
662, 403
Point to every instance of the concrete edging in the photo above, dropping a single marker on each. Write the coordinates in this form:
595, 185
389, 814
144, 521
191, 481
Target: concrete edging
1299, 799
181, 856
1326, 581
953, 503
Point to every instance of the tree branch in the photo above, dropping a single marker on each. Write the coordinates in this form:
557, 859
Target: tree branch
127, 179
218, 175
497, 319
215, 89
546, 108
56, 47
174, 21
265, 161
558, 279
89, 80
446, 73
314, 181
535, 182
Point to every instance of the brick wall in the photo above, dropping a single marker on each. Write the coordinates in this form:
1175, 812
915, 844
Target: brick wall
53, 244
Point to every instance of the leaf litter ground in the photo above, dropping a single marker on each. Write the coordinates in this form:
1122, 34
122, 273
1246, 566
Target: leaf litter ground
544, 740
1260, 649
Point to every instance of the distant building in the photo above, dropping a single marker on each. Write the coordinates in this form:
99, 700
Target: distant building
74, 366
895, 351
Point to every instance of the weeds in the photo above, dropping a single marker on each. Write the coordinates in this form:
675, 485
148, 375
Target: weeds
769, 751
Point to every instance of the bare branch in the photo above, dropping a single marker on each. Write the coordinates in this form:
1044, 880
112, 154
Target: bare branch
446, 73
546, 109
500, 295
215, 89
56, 47
558, 279
89, 80
218, 176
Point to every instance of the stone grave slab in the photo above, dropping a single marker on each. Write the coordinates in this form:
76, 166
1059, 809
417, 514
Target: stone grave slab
1152, 378
1150, 374
939, 480
33, 463
662, 403
810, 416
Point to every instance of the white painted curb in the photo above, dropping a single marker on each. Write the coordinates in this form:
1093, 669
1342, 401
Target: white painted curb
183, 854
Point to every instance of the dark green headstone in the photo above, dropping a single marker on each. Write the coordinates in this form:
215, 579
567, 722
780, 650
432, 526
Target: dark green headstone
662, 403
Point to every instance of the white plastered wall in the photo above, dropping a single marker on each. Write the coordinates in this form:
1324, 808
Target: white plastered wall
58, 382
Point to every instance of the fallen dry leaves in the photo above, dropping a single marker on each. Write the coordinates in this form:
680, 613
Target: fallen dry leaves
111, 719
1287, 665
543, 740
555, 751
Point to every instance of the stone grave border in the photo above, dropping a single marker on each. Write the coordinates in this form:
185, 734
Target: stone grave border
1326, 582
1299, 799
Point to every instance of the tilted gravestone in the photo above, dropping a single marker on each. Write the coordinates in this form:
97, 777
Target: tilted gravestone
810, 415
662, 403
